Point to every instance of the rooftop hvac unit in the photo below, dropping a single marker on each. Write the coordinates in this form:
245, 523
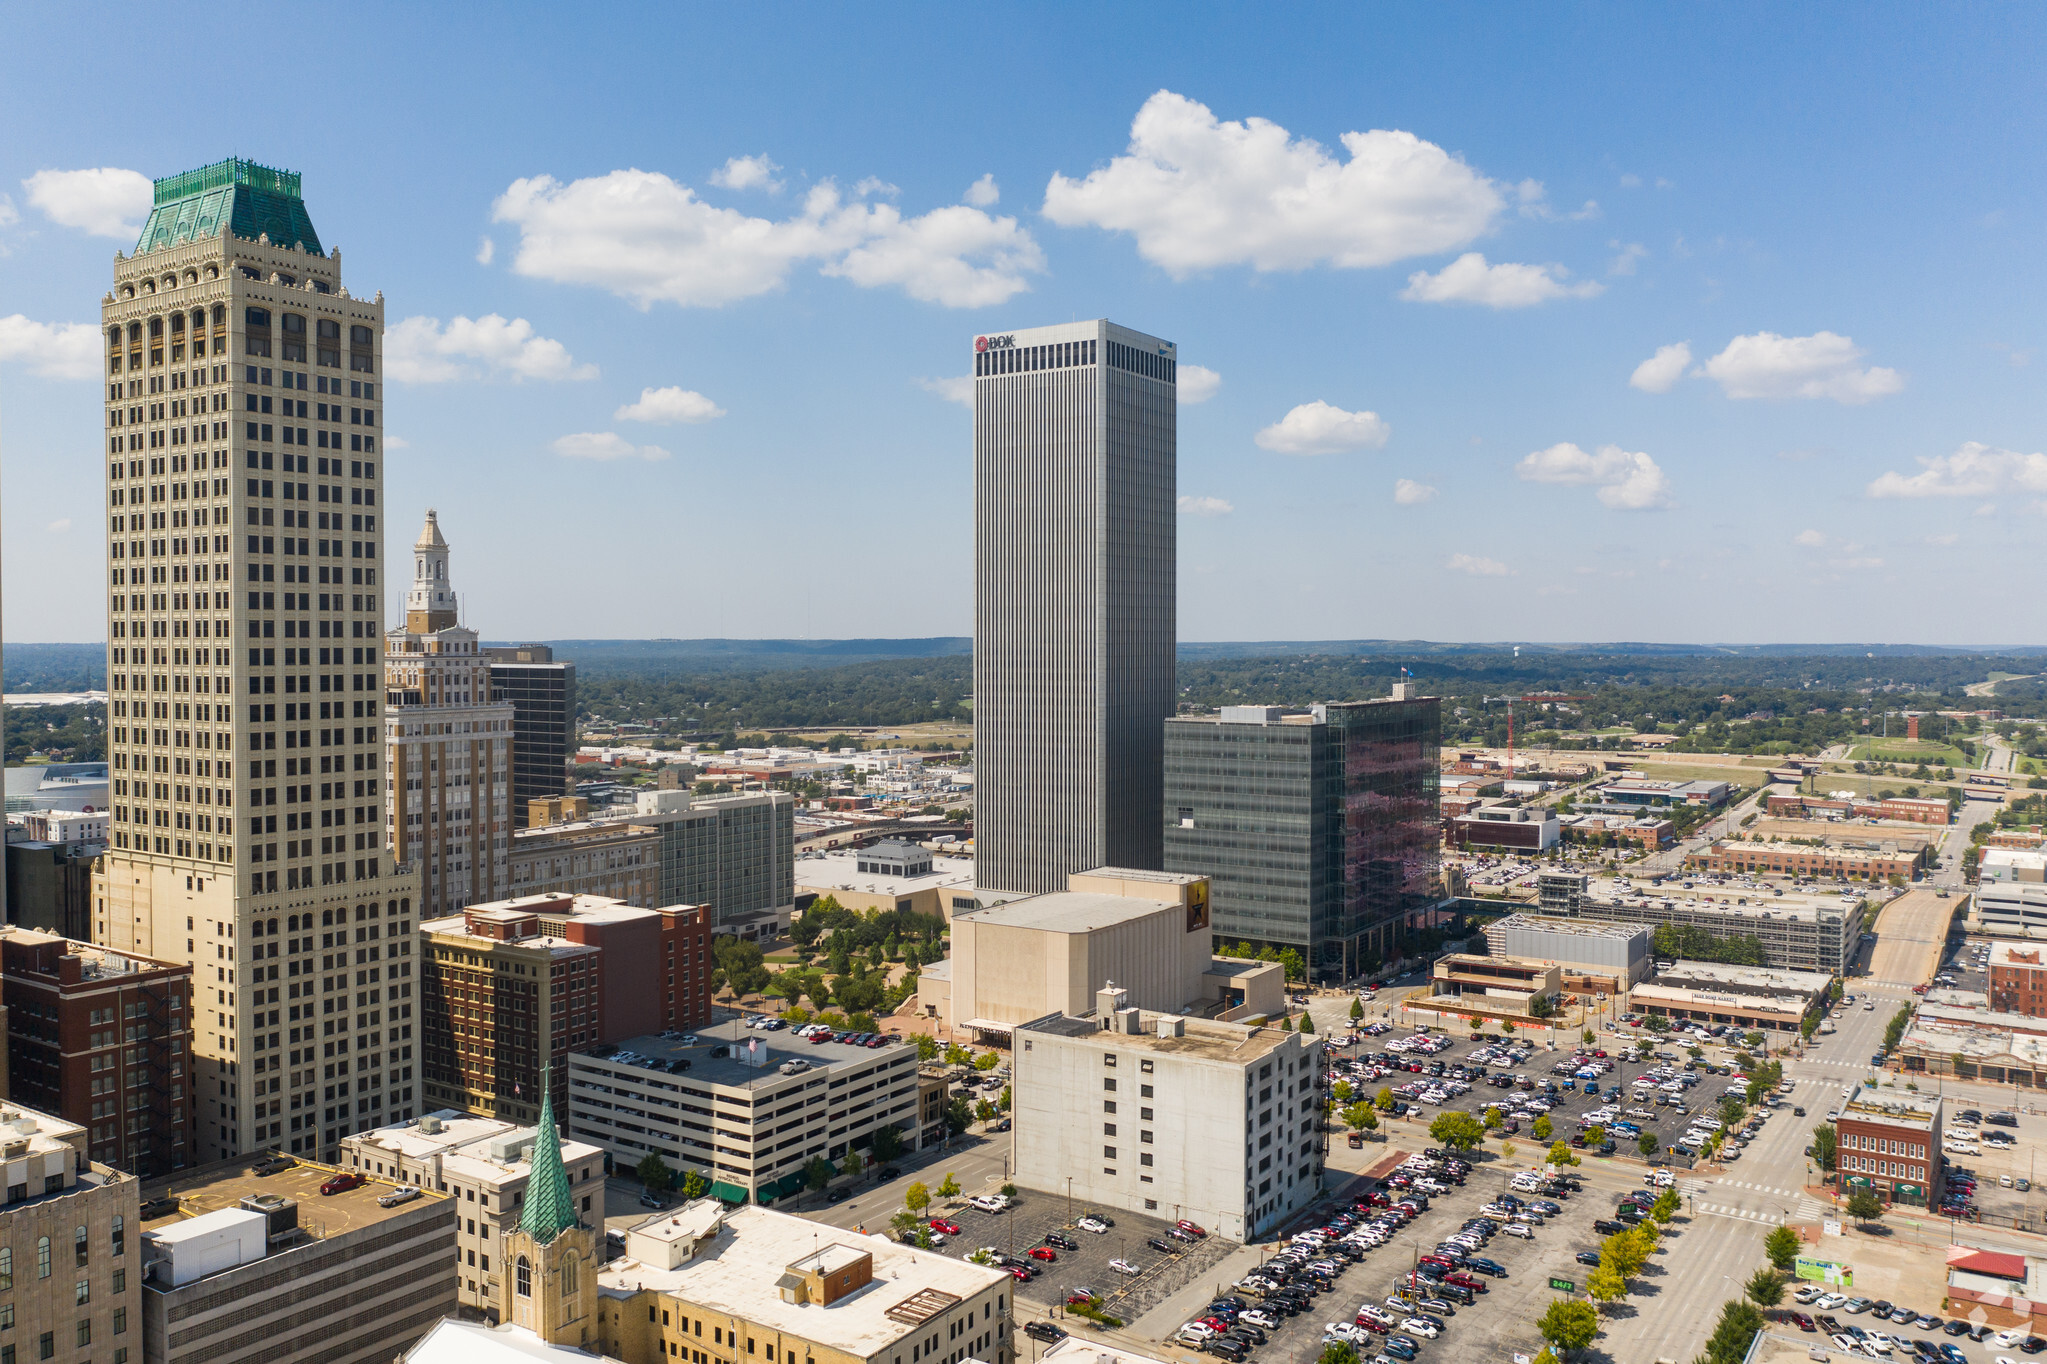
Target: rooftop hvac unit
1172, 1025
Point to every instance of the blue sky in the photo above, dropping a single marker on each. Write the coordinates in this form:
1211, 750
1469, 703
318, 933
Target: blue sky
1425, 251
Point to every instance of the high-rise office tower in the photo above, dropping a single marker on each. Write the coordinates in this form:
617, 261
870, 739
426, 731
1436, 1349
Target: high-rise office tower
448, 806
543, 697
244, 402
1319, 832
1074, 453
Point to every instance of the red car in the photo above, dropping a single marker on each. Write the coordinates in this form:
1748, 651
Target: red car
1803, 1322
1464, 1280
1042, 1253
1439, 1261
1079, 1299
949, 1228
342, 1183
1194, 1228
1019, 1273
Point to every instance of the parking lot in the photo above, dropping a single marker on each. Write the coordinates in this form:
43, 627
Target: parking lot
1484, 1064
1126, 1296
1502, 1319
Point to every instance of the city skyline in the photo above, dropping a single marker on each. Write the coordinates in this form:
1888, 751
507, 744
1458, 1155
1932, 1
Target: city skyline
1634, 361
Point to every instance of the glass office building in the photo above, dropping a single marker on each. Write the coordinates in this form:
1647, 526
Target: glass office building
1320, 831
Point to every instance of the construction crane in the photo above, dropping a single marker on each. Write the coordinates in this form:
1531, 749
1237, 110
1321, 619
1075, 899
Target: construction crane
1510, 700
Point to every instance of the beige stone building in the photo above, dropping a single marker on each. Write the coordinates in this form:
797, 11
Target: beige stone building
484, 1166
621, 860
448, 745
754, 1286
70, 1246
1145, 931
243, 396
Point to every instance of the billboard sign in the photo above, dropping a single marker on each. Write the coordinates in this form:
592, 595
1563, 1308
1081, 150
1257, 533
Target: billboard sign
1823, 1271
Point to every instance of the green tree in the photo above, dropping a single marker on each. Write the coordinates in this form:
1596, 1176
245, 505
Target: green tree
984, 1111
1384, 1099
1542, 1129
1648, 1144
1493, 1118
905, 1225
927, 1048
654, 1173
888, 1144
1665, 1207
1739, 1324
1341, 1092
1357, 1009
1594, 1136
1824, 1143
1338, 1352
1605, 1285
1560, 1153
1782, 1246
987, 1061
1457, 1130
948, 1187
1290, 962
917, 1198
1569, 1325
957, 1055
1865, 1206
852, 1164
818, 1172
1587, 1038
1307, 1024
959, 1114
1625, 1252
1286, 1023
694, 1185
1764, 1288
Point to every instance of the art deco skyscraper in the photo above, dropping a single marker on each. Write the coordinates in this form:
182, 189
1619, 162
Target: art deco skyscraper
1074, 503
449, 745
244, 478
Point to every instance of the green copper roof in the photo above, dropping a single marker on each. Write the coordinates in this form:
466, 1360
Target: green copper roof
241, 195
550, 1208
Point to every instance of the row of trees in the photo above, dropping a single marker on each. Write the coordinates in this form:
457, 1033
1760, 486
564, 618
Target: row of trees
1693, 943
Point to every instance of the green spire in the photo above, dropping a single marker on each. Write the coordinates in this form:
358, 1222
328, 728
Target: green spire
550, 1208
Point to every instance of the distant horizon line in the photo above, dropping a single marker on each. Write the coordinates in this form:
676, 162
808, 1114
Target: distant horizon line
1289, 644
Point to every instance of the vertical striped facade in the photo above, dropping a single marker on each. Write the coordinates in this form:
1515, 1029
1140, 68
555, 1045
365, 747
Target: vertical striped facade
1074, 504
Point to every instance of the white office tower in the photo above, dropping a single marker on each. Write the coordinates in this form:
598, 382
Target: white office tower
246, 836
1074, 488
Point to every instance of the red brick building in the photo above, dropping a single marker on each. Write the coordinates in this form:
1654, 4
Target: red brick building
1908, 809
1799, 859
102, 1039
1891, 1145
510, 988
2018, 979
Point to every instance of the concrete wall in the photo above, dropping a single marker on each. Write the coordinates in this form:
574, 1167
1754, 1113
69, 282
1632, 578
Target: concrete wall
1011, 973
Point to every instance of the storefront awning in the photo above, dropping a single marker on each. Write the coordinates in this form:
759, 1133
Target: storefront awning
988, 1025
731, 1193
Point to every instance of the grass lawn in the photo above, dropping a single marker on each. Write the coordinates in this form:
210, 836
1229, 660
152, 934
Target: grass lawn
1932, 752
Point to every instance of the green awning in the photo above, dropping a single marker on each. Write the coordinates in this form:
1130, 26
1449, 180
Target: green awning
1859, 1182
783, 1187
731, 1193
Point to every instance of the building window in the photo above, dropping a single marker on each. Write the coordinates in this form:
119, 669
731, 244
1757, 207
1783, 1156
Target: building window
569, 1275
120, 1235
1144, 1066
1109, 1059
1109, 1153
42, 1257
6, 1268
523, 1278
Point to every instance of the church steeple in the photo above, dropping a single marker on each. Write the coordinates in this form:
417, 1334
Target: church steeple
550, 1208
430, 605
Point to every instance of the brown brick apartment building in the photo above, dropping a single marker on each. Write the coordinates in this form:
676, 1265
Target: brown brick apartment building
102, 1039
511, 987
1891, 1145
1909, 809
1798, 859
2018, 979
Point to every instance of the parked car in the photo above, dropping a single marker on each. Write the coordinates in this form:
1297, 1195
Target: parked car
941, 1224
1044, 1331
1045, 1253
271, 1165
342, 1183
403, 1194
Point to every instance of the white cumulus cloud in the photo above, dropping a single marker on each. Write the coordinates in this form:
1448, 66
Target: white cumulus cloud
957, 388
60, 525
1627, 480
104, 201
984, 192
747, 172
1823, 365
1476, 565
1811, 539
1974, 470
668, 406
1196, 384
648, 239
1408, 493
1661, 371
1468, 279
1318, 429
486, 251
1197, 192
1204, 506
419, 350
55, 350
605, 445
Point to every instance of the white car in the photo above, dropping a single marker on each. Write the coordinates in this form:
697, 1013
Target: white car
989, 1202
1263, 1320
1516, 1229
1124, 1267
2008, 1340
1195, 1332
1090, 1224
1829, 1302
1418, 1326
